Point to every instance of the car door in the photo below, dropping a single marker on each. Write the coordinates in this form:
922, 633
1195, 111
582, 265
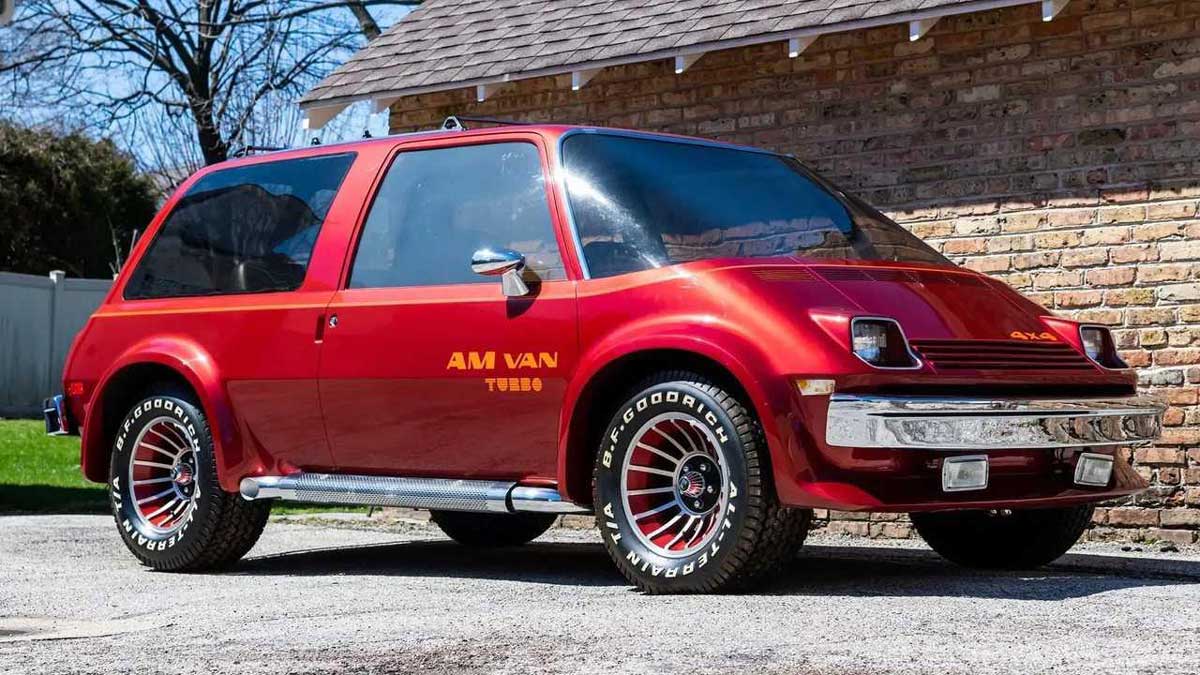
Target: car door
427, 368
228, 274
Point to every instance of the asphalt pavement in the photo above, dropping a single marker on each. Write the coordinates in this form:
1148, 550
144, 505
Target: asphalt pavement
346, 598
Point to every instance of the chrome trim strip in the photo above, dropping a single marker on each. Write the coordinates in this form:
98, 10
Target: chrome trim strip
541, 500
440, 494
929, 423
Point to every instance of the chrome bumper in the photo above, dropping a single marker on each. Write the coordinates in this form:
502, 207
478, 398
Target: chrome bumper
981, 424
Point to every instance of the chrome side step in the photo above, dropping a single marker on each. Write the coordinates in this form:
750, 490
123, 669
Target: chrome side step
439, 494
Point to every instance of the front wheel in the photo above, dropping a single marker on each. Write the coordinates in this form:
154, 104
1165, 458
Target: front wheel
169, 507
1003, 539
683, 491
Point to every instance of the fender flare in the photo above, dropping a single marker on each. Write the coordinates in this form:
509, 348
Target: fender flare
191, 362
695, 335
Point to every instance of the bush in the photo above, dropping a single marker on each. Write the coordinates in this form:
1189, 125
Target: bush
67, 202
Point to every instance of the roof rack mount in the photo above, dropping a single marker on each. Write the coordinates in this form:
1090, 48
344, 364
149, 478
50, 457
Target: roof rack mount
455, 122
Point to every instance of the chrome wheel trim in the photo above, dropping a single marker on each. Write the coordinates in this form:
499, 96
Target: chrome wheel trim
685, 530
162, 476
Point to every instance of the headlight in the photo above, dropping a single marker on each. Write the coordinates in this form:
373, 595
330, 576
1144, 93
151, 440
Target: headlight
881, 343
1099, 346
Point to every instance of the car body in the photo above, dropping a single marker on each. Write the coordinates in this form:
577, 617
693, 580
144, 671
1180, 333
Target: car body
459, 381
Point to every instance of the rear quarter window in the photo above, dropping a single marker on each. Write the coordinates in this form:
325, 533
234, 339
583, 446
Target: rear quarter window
249, 229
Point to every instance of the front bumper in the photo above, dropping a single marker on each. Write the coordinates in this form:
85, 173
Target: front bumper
928, 423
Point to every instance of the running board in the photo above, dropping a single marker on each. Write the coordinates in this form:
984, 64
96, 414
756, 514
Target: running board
435, 494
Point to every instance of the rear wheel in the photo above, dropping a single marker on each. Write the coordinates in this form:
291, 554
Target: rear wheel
683, 491
1003, 539
169, 507
490, 530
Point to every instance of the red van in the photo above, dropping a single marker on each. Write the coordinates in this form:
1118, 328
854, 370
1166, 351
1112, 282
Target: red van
698, 342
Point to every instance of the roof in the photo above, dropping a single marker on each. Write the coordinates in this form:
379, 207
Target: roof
453, 44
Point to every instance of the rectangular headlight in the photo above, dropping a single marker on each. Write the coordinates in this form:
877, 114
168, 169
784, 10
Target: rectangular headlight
1098, 344
881, 343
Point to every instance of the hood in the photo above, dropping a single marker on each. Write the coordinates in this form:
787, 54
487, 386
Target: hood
955, 320
932, 303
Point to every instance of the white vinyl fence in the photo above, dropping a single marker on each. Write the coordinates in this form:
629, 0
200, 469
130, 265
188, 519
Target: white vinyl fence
39, 316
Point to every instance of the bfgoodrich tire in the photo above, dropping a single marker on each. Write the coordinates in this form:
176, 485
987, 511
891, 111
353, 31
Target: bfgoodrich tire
683, 492
491, 530
1003, 539
169, 507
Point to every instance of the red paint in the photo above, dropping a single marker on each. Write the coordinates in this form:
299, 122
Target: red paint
285, 391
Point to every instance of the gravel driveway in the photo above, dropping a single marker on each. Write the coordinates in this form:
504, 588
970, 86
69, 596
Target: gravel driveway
332, 598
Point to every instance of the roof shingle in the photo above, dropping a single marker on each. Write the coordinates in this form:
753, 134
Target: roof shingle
449, 44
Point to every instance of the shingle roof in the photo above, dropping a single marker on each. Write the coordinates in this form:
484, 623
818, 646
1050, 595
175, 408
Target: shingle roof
450, 44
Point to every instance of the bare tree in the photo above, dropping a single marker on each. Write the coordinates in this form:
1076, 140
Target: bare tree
221, 71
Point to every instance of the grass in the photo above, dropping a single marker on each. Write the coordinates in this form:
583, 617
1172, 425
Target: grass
41, 474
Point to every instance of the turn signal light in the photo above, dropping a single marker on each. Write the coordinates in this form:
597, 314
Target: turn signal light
75, 389
881, 343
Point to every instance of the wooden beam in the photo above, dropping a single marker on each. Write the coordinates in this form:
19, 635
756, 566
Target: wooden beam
315, 118
582, 77
797, 45
1051, 8
379, 105
685, 61
917, 29
484, 91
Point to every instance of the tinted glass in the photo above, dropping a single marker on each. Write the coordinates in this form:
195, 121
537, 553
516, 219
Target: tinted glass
641, 203
249, 229
437, 207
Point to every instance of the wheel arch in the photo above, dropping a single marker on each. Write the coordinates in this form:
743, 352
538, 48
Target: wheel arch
593, 399
169, 363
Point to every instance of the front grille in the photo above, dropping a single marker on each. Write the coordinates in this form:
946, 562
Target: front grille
1000, 355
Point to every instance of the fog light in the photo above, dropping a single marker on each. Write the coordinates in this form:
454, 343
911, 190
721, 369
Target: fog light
969, 472
1093, 470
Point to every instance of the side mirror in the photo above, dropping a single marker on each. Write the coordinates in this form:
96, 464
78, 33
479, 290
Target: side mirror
504, 263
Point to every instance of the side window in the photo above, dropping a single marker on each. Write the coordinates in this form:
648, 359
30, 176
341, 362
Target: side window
437, 207
249, 229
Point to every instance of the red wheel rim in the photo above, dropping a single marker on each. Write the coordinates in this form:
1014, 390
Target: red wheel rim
674, 485
162, 475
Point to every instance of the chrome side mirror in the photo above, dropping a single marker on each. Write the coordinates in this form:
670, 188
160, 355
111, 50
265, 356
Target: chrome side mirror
504, 263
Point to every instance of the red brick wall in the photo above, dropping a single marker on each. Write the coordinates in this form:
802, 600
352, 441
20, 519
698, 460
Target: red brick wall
1061, 157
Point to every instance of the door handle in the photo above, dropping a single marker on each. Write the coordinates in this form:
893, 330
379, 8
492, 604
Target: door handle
321, 322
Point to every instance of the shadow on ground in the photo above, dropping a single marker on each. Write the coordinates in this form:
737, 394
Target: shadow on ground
819, 570
23, 499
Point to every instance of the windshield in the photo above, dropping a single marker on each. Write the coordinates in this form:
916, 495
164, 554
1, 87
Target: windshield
640, 203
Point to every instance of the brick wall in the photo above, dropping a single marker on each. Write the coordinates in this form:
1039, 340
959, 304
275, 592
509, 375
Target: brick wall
1061, 157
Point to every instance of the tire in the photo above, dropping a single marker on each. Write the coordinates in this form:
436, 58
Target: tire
206, 528
492, 530
1010, 540
735, 535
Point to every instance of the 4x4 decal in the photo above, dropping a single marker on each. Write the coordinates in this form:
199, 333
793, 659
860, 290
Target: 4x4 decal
1041, 337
